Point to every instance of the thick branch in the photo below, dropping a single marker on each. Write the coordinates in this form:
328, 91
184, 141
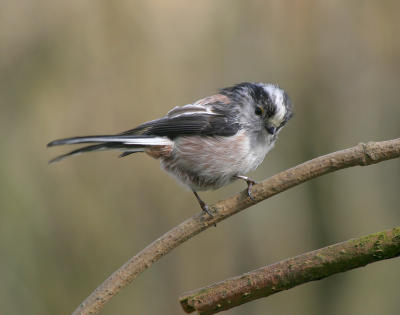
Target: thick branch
292, 272
362, 154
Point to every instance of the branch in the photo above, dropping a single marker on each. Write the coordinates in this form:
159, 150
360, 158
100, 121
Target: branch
362, 154
292, 272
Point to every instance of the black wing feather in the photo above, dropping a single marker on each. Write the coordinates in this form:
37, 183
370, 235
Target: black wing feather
171, 127
186, 125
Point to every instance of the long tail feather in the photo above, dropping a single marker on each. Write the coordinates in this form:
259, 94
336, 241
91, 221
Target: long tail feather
139, 139
91, 148
129, 144
126, 153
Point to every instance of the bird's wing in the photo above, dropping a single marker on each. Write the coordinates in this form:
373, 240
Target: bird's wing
187, 125
206, 117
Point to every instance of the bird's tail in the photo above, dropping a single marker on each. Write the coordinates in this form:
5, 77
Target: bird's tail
127, 143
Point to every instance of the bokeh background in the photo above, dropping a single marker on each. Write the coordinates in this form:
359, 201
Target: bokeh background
71, 68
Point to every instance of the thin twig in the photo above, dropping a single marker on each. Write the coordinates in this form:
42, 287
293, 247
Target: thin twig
292, 272
362, 154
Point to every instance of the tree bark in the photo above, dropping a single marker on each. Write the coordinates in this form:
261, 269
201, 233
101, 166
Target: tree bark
292, 272
362, 154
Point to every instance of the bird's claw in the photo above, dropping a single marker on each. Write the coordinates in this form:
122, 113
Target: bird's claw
207, 210
250, 184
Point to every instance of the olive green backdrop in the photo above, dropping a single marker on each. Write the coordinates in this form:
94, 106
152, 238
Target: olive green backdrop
71, 68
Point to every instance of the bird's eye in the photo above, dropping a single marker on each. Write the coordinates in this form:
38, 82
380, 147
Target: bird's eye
259, 111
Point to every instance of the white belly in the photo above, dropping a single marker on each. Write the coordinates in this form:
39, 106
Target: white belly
204, 163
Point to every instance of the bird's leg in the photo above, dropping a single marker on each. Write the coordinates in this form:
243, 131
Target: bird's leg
203, 204
250, 184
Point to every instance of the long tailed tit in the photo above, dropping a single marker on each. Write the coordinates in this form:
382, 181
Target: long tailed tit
207, 144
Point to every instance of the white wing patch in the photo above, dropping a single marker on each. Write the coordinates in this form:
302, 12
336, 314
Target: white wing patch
202, 106
190, 109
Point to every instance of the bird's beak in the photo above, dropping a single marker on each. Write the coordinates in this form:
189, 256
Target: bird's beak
270, 128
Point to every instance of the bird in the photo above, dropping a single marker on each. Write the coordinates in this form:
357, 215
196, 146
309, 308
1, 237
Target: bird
207, 144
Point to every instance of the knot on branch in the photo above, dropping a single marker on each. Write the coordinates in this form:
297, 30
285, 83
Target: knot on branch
369, 155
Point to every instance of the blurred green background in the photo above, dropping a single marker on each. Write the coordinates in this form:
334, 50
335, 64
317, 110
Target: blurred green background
71, 68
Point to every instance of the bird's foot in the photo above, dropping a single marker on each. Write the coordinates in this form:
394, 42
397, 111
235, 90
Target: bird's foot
250, 184
206, 209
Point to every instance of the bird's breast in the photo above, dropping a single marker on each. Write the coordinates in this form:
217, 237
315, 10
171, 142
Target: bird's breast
212, 162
